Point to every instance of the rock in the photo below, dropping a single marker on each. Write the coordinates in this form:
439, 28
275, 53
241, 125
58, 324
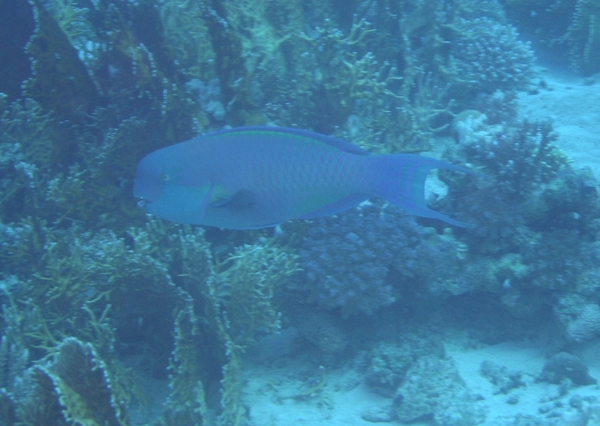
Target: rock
379, 415
434, 389
566, 366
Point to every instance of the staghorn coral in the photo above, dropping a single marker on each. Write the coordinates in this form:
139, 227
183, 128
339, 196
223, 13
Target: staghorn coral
398, 111
266, 26
126, 300
227, 303
246, 282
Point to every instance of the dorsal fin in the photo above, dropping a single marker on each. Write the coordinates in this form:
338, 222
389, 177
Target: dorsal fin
287, 131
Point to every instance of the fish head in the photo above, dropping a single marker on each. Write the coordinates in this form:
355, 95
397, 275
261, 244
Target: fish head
169, 188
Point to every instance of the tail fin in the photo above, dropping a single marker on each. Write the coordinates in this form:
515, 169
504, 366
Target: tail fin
400, 179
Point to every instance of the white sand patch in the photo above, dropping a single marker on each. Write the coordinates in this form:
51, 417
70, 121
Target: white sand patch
278, 396
574, 106
532, 399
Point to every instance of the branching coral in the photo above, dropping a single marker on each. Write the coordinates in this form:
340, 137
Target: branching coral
489, 56
521, 164
188, 363
120, 297
261, 38
228, 302
186, 33
520, 158
27, 125
246, 284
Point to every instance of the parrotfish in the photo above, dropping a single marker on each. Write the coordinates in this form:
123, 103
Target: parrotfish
255, 177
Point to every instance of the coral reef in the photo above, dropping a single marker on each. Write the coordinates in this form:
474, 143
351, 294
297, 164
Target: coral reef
537, 218
358, 261
97, 298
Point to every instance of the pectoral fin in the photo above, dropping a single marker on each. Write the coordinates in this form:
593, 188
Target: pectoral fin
206, 201
239, 200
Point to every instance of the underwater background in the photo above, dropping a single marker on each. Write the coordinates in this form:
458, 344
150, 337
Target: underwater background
113, 317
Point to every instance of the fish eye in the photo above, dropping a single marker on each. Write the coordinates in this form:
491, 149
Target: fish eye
164, 177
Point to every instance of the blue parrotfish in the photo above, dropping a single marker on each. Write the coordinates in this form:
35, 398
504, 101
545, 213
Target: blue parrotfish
254, 177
